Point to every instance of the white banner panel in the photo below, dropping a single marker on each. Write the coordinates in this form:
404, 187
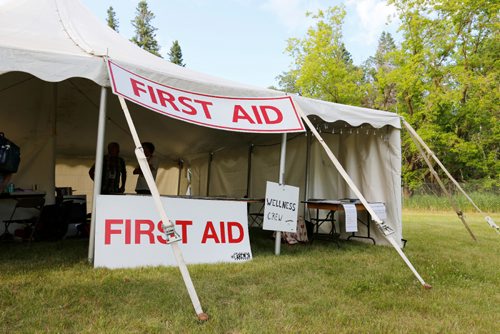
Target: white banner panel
242, 114
281, 207
351, 217
129, 232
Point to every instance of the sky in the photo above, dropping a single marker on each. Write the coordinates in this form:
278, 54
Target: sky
244, 40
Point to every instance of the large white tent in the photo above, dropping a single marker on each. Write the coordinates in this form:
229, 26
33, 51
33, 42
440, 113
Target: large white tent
52, 70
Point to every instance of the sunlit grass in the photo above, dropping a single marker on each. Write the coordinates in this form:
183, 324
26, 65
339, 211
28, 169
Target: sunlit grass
486, 201
319, 288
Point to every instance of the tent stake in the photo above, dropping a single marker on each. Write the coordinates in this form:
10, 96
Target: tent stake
99, 153
441, 184
415, 135
146, 171
355, 189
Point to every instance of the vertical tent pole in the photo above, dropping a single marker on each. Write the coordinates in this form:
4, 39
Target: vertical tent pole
308, 166
360, 196
415, 136
441, 184
277, 241
99, 153
209, 171
181, 166
53, 134
146, 171
249, 169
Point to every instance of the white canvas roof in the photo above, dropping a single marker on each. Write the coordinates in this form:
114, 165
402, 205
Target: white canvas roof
56, 40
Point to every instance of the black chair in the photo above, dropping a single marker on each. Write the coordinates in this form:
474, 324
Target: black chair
28, 202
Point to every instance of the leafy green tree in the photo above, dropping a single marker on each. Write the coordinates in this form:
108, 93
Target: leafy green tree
323, 67
175, 54
446, 79
144, 31
287, 82
112, 20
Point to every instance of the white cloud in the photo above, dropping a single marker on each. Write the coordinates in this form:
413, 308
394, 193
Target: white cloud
373, 16
292, 13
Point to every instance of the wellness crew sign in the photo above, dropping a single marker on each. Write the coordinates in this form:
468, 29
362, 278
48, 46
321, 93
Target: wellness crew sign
261, 115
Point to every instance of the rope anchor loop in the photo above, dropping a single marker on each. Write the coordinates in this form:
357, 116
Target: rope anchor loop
170, 234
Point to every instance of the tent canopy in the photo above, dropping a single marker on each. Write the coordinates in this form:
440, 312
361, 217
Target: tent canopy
56, 40
52, 69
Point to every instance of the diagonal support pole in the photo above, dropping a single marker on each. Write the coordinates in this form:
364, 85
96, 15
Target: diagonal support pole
415, 135
146, 171
453, 203
360, 196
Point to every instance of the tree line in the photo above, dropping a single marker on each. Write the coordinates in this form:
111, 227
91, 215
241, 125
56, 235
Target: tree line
443, 79
145, 36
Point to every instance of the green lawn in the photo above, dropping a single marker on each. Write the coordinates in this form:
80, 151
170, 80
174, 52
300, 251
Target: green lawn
49, 287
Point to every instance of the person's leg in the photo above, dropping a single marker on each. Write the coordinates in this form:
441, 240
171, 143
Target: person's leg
4, 181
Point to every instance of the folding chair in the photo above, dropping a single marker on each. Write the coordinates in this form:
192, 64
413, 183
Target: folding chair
257, 217
28, 202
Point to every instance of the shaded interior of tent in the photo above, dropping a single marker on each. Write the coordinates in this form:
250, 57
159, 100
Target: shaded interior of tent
55, 124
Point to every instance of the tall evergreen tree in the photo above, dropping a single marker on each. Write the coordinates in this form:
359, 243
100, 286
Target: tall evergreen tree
144, 31
112, 20
382, 92
175, 54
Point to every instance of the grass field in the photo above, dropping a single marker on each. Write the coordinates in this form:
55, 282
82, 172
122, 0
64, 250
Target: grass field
319, 288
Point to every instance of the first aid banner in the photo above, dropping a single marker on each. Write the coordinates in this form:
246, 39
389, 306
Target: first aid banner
129, 232
241, 114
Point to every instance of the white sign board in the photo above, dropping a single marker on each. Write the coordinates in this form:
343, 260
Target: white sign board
281, 207
129, 232
351, 217
243, 114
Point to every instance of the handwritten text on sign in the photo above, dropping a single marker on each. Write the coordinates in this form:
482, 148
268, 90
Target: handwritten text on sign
281, 207
129, 232
265, 114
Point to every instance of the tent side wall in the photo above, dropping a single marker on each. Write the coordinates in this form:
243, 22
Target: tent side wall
27, 117
372, 158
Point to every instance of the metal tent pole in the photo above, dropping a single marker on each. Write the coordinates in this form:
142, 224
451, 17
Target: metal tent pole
308, 166
249, 169
277, 241
209, 171
180, 164
99, 154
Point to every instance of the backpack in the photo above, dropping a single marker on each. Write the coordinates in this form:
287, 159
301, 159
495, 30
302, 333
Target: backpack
10, 155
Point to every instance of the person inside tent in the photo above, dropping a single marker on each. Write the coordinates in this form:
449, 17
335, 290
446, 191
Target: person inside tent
4, 181
10, 158
142, 186
113, 170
